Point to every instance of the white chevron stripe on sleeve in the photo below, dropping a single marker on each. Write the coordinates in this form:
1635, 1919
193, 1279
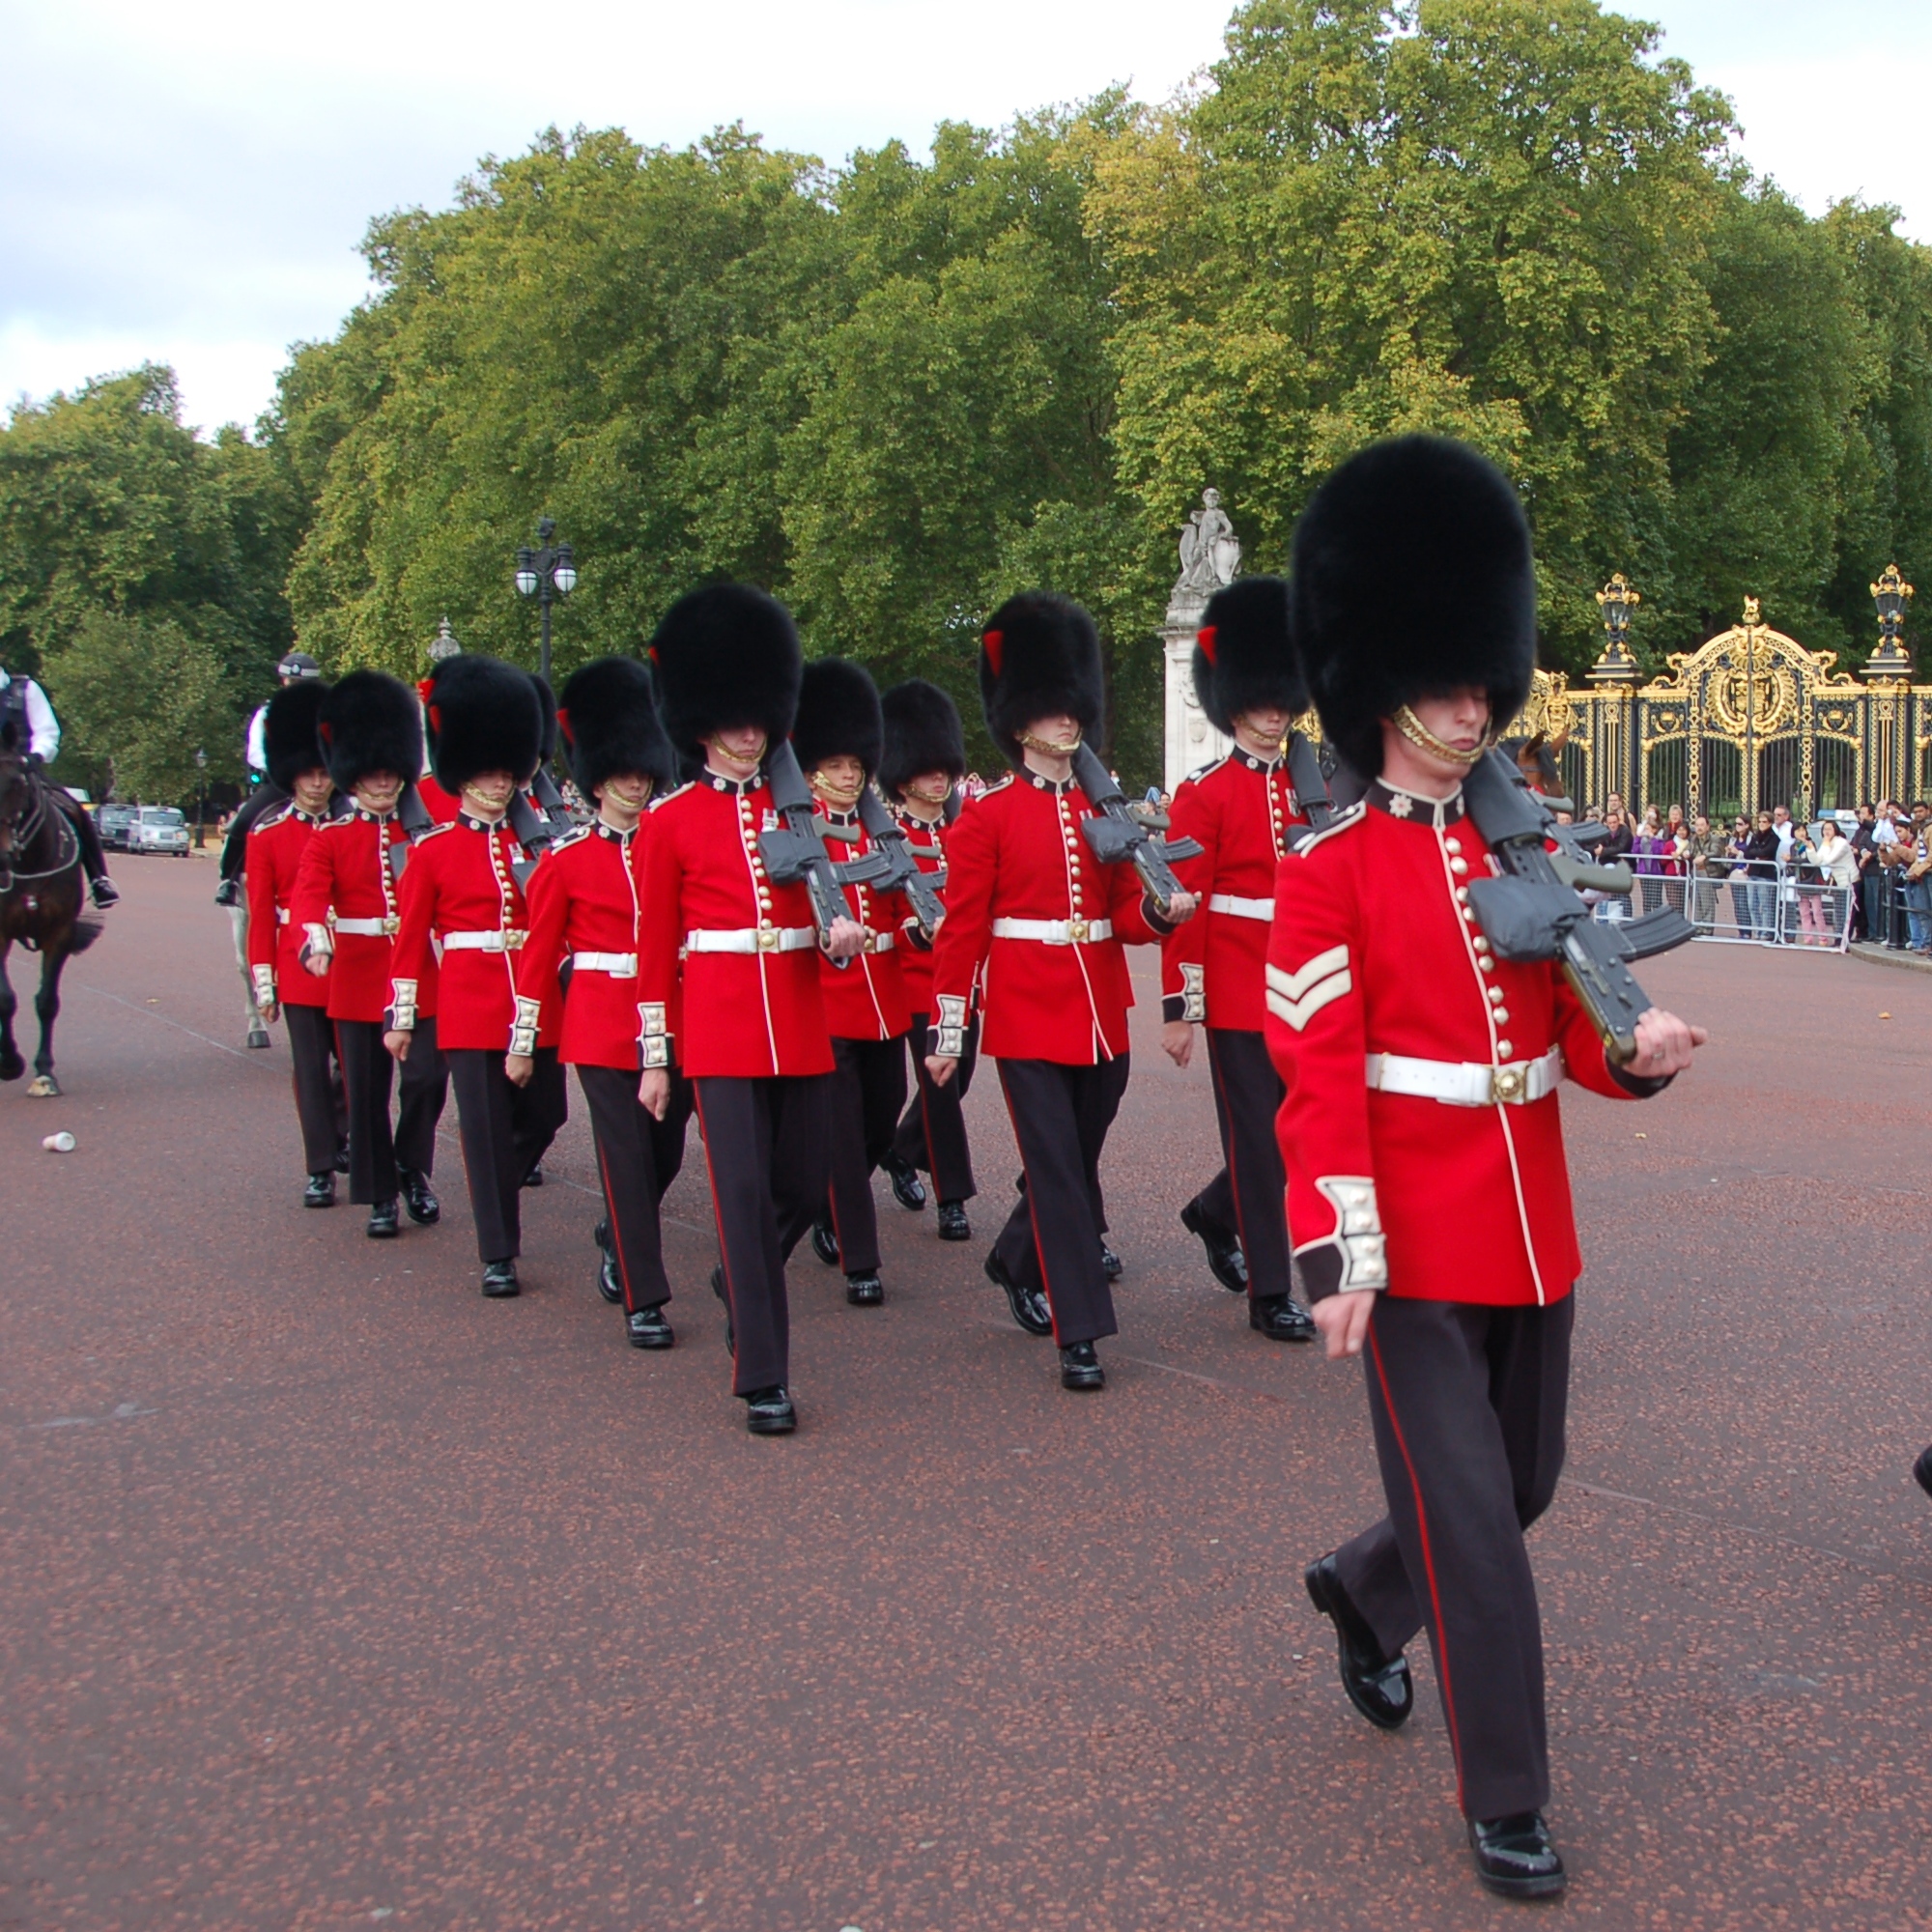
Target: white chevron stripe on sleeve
1292, 985
1299, 1013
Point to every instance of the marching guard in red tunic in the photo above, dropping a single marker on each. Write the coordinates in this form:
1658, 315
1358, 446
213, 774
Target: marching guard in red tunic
1428, 1198
838, 737
587, 906
733, 955
346, 908
1028, 900
920, 770
460, 889
273, 860
1244, 812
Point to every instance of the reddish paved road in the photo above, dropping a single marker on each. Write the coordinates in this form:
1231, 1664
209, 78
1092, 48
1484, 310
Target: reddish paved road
335, 1596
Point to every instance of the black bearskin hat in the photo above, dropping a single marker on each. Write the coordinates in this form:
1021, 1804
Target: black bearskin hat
546, 704
726, 658
608, 721
369, 722
1244, 654
1040, 655
1412, 577
923, 734
837, 713
289, 733
484, 716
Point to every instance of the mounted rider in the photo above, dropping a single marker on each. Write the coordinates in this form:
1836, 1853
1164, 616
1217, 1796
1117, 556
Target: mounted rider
295, 668
28, 727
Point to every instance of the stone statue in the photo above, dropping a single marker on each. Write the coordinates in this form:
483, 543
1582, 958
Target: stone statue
1211, 554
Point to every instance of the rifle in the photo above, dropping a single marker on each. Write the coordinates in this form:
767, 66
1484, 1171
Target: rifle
1118, 837
903, 875
795, 853
1533, 911
412, 816
538, 826
1311, 786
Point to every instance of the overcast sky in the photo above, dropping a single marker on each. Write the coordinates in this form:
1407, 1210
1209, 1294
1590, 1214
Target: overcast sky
188, 182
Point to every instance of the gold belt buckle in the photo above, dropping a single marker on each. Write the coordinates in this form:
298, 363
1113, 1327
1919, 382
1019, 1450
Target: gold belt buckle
513, 939
768, 939
391, 924
1076, 931
1507, 1084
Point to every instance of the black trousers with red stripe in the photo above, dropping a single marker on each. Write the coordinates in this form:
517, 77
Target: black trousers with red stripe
868, 1088
368, 1076
322, 1107
638, 1158
1468, 1405
1250, 1193
1061, 1116
544, 1108
932, 1135
765, 1147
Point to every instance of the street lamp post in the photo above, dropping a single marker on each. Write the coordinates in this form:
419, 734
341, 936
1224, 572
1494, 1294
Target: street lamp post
200, 799
545, 573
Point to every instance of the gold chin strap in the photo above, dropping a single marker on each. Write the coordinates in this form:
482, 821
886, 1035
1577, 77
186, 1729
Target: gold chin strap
1424, 739
842, 796
926, 797
757, 757
1047, 747
487, 803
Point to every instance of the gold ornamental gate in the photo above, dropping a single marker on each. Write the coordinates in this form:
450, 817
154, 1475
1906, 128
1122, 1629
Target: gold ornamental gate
1747, 720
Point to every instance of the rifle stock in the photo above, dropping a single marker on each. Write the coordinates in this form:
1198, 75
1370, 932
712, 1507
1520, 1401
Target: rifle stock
904, 874
1118, 839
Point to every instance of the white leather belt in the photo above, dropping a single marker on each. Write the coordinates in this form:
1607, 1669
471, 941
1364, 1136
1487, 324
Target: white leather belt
623, 964
879, 942
1464, 1083
1235, 907
752, 939
281, 914
368, 928
1055, 931
508, 940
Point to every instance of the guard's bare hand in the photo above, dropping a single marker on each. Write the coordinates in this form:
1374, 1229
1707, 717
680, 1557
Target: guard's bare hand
1180, 908
397, 1044
1176, 1042
271, 1010
1343, 1322
317, 963
653, 1091
1664, 1044
518, 1068
846, 940
941, 1068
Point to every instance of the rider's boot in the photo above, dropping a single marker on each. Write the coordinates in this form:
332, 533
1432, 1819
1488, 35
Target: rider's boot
105, 891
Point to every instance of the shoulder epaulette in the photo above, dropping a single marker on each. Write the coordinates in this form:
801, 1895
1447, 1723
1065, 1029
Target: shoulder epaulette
434, 832
575, 835
677, 792
999, 784
336, 824
1214, 765
1343, 820
275, 817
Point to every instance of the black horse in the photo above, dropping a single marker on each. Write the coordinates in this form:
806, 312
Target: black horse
41, 894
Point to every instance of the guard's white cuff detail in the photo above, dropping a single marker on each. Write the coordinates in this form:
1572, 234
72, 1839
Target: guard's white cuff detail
524, 1028
653, 1033
320, 942
265, 984
1194, 993
1355, 1257
402, 1006
1296, 998
948, 1036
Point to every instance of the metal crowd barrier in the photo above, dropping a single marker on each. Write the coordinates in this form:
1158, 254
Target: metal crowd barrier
1782, 909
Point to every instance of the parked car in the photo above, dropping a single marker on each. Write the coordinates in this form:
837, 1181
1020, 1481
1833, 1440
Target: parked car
114, 821
159, 828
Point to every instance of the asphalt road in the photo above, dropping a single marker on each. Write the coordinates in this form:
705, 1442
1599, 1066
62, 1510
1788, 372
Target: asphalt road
331, 1595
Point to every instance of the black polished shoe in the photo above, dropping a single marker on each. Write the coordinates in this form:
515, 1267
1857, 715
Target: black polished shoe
419, 1198
228, 894
954, 1225
1027, 1305
824, 1241
342, 1158
865, 1290
609, 1283
535, 1178
1111, 1264
1921, 1471
1514, 1856
105, 891
908, 1189
718, 1289
499, 1281
649, 1328
1378, 1685
383, 1221
1280, 1318
320, 1191
1080, 1368
769, 1412
1225, 1262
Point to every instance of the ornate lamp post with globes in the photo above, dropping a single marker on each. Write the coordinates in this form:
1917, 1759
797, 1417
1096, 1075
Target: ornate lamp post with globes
545, 573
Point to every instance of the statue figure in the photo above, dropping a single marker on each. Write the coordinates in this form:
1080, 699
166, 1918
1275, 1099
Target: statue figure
1211, 554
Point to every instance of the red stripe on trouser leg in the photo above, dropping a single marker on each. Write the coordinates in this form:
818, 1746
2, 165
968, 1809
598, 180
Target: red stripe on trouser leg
1033, 1217
1428, 1558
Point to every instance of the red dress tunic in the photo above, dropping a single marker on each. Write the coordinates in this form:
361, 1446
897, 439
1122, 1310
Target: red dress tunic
459, 888
865, 999
349, 874
275, 848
